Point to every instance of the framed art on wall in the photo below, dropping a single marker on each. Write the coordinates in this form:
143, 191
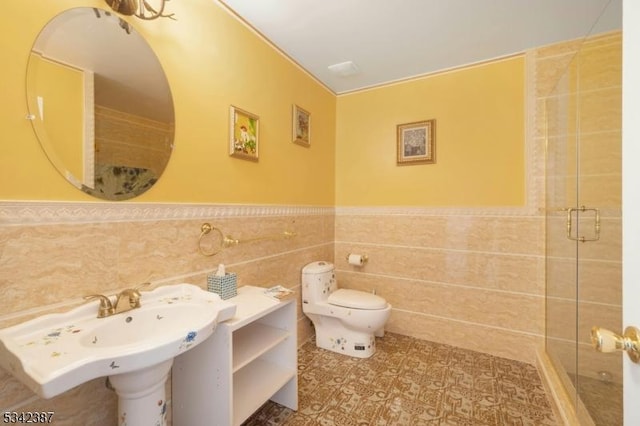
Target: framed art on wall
244, 132
301, 124
417, 142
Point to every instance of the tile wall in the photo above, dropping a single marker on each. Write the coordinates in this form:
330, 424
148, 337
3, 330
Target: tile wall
51, 254
469, 278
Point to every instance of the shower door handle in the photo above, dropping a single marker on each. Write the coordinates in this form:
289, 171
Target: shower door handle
583, 209
604, 340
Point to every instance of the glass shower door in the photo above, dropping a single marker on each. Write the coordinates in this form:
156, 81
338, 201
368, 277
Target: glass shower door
583, 264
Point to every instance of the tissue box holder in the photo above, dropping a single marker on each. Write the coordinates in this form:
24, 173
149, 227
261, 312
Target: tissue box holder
226, 287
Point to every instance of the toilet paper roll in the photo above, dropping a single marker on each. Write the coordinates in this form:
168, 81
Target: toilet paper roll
357, 259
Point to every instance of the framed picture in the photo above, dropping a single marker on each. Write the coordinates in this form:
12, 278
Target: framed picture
417, 142
244, 133
301, 126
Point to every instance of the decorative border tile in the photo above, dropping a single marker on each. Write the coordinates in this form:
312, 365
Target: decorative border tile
47, 212
438, 211
34, 212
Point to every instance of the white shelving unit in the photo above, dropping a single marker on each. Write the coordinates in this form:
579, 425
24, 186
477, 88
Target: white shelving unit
248, 360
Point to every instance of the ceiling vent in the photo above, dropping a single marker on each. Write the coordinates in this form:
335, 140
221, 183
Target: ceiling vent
344, 69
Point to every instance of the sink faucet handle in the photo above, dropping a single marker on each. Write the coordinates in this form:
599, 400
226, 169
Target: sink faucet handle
134, 298
106, 307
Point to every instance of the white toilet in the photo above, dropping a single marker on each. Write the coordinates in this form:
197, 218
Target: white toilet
346, 321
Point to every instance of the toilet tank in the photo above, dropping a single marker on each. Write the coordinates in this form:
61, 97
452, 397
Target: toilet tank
318, 281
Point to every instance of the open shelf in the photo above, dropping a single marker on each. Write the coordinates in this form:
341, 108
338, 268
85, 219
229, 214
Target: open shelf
254, 340
247, 360
254, 384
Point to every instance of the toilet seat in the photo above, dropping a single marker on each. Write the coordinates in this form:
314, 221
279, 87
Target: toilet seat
356, 299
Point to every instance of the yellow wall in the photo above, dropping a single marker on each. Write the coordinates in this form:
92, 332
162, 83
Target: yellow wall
212, 61
352, 160
479, 113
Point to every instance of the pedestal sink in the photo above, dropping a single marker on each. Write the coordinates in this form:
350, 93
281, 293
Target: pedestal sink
135, 349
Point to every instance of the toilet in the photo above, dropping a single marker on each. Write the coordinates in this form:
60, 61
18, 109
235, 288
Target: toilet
346, 321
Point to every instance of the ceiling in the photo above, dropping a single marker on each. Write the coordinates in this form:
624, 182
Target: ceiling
391, 40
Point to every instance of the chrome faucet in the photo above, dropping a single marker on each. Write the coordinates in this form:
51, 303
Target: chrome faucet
126, 300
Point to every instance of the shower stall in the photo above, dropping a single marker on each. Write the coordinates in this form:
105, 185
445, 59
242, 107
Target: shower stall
583, 116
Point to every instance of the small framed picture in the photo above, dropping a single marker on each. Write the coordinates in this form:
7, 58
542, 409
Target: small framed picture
417, 142
301, 126
244, 133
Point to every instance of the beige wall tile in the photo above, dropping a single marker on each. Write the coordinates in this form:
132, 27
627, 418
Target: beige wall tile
571, 321
601, 110
600, 281
484, 272
600, 65
498, 342
519, 235
12, 392
561, 319
465, 268
45, 264
513, 311
601, 153
88, 404
600, 190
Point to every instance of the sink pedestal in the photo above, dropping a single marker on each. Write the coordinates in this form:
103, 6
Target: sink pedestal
141, 395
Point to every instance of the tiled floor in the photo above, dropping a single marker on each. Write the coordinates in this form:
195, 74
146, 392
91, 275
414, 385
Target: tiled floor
411, 382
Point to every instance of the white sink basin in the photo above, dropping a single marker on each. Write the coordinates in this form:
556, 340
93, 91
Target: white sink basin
54, 353
134, 328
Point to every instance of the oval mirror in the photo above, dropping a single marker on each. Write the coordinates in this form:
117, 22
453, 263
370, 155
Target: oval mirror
100, 103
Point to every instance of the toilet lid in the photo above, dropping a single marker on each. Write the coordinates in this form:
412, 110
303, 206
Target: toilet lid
356, 299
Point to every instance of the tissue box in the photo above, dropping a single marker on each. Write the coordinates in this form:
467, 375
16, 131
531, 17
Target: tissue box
226, 286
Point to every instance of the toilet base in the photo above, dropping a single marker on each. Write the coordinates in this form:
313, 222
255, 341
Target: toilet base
345, 341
